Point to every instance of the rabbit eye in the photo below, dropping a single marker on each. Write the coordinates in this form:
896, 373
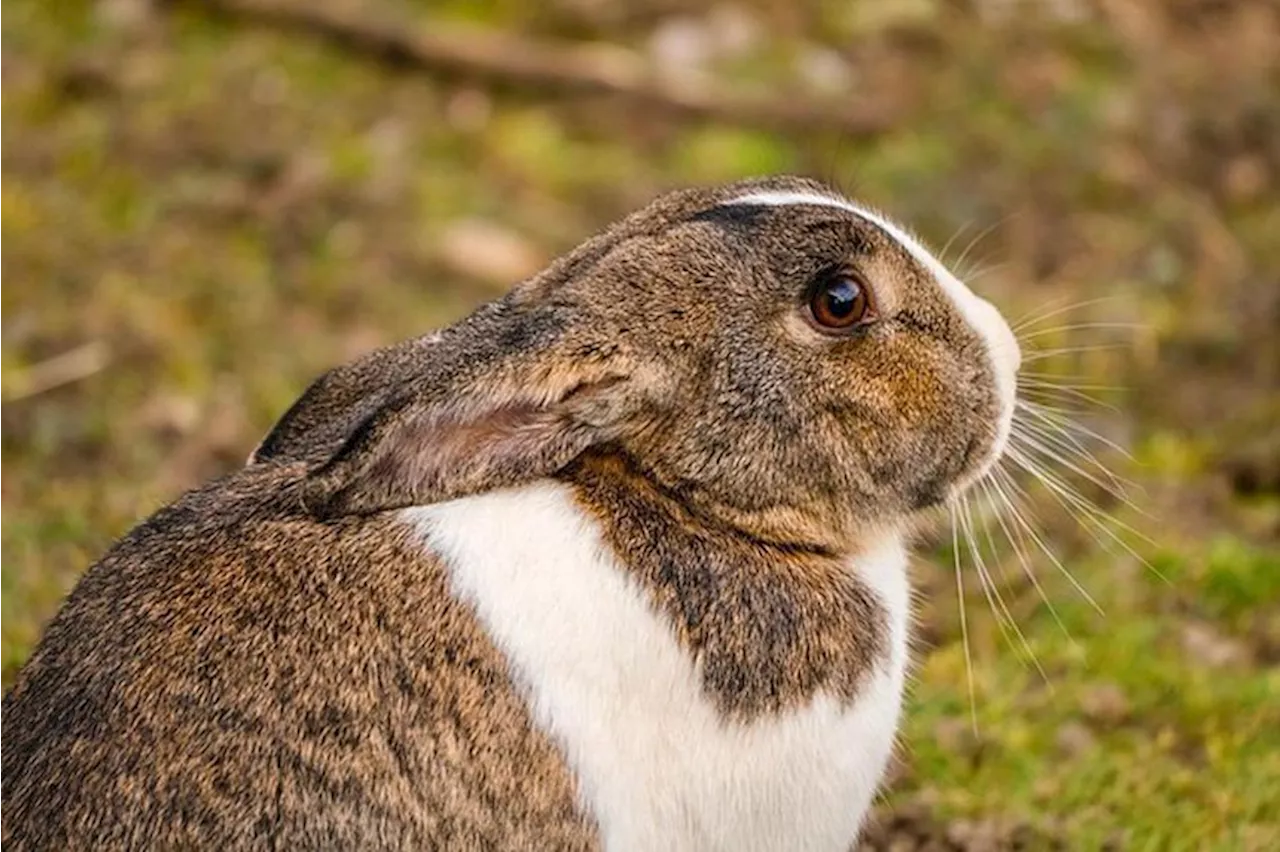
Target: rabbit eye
840, 302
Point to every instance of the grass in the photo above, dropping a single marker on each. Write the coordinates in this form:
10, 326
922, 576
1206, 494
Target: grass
223, 211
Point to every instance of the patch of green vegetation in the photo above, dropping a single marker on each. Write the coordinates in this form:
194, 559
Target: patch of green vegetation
1145, 730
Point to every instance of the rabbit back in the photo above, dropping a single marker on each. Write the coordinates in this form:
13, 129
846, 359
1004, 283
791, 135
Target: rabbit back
232, 675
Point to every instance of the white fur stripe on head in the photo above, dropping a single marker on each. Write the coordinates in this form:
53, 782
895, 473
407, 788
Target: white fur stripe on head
980, 314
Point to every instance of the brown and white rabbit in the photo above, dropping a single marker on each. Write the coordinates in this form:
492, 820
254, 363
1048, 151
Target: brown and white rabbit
616, 562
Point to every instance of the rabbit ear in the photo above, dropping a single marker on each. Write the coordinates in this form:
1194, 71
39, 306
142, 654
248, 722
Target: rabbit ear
522, 416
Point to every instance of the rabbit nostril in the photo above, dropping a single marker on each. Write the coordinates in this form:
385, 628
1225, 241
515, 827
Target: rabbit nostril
1005, 342
1015, 351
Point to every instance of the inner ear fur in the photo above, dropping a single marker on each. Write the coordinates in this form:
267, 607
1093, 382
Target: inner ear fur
497, 433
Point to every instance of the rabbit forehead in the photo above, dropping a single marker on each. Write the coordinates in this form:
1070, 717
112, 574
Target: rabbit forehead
976, 311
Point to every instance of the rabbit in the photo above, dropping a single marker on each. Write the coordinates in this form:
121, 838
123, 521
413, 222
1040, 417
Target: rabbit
617, 562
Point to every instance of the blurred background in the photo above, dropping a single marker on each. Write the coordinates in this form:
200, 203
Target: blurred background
205, 204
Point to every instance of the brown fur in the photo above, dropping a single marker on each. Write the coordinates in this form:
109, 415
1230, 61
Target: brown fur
273, 661
235, 675
772, 625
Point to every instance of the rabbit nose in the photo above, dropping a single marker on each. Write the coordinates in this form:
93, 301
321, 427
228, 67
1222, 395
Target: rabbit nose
1000, 337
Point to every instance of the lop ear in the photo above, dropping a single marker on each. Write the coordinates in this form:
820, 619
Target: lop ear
499, 431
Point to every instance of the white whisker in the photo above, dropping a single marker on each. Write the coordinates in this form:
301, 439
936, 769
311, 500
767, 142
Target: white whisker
1025, 336
1041, 354
1054, 418
959, 262
1118, 487
998, 606
1046, 550
1058, 309
1016, 540
979, 272
1038, 441
1085, 511
1069, 379
954, 236
1064, 396
979, 564
1029, 380
964, 620
1048, 444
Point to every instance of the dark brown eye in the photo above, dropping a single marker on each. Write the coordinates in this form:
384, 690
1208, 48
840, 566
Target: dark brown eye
840, 302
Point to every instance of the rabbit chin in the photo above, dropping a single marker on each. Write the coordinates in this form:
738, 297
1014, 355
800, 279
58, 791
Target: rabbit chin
657, 763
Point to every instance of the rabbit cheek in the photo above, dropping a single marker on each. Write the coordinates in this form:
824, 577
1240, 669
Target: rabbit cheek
925, 424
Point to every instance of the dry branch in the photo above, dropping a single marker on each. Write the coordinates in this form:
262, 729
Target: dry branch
506, 59
64, 369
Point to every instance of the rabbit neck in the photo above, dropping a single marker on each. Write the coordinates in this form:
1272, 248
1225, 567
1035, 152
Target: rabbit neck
773, 624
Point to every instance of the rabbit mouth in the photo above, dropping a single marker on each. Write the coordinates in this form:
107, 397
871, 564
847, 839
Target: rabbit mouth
980, 455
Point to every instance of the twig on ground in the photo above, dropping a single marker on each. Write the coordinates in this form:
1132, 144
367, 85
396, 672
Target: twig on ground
507, 59
64, 369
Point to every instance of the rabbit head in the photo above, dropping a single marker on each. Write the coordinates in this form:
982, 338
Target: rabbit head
781, 359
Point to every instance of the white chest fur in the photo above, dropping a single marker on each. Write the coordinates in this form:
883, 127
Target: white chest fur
656, 765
